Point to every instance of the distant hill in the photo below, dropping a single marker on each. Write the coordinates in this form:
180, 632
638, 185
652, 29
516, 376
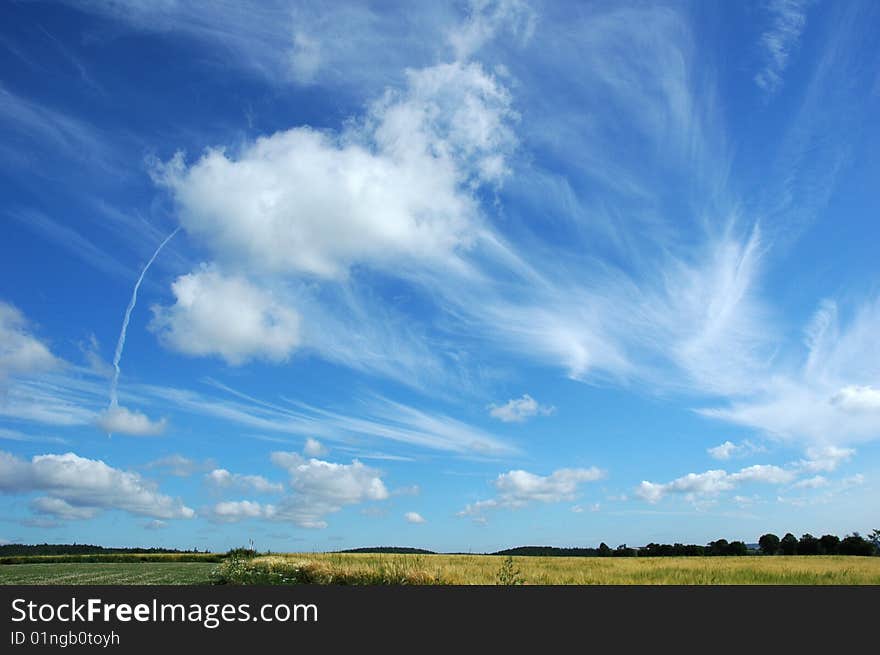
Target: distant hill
548, 551
390, 550
7, 550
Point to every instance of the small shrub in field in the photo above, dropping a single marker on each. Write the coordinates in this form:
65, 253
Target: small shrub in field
241, 553
508, 574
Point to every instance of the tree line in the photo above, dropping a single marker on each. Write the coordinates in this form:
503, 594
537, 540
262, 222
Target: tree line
768, 544
7, 550
827, 544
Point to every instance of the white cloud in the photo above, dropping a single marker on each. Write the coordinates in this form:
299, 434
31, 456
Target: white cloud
699, 486
724, 451
828, 397
857, 399
580, 509
486, 19
227, 316
709, 483
393, 190
824, 459
85, 485
764, 473
788, 20
223, 479
155, 524
815, 482
517, 410
20, 351
518, 488
15, 435
176, 465
62, 509
853, 481
120, 420
414, 517
320, 488
293, 42
231, 511
728, 450
378, 417
314, 448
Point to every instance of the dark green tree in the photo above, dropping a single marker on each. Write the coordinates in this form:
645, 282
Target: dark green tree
855, 544
718, 547
623, 551
789, 544
769, 544
604, 550
874, 538
808, 545
737, 548
829, 544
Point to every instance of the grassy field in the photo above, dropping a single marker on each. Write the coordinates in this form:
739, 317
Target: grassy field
484, 569
460, 569
101, 573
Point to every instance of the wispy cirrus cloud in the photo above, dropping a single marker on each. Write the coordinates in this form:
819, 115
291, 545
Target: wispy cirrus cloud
51, 129
825, 397
21, 352
788, 18
378, 418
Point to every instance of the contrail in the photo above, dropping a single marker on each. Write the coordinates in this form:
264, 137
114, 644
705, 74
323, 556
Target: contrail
121, 343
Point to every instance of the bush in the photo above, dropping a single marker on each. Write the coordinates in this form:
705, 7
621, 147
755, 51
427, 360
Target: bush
241, 553
509, 574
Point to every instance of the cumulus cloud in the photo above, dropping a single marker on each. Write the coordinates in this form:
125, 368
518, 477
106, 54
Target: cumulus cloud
176, 465
517, 410
815, 482
77, 485
393, 189
696, 486
414, 517
824, 459
314, 448
518, 488
729, 450
20, 351
61, 509
857, 399
317, 488
120, 420
223, 479
228, 316
231, 511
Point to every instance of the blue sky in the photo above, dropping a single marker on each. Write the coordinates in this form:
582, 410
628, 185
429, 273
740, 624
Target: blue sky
460, 276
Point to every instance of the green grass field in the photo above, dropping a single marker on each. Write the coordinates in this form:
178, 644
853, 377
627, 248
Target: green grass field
461, 570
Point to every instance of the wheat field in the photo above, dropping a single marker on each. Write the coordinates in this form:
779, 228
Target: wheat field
489, 570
